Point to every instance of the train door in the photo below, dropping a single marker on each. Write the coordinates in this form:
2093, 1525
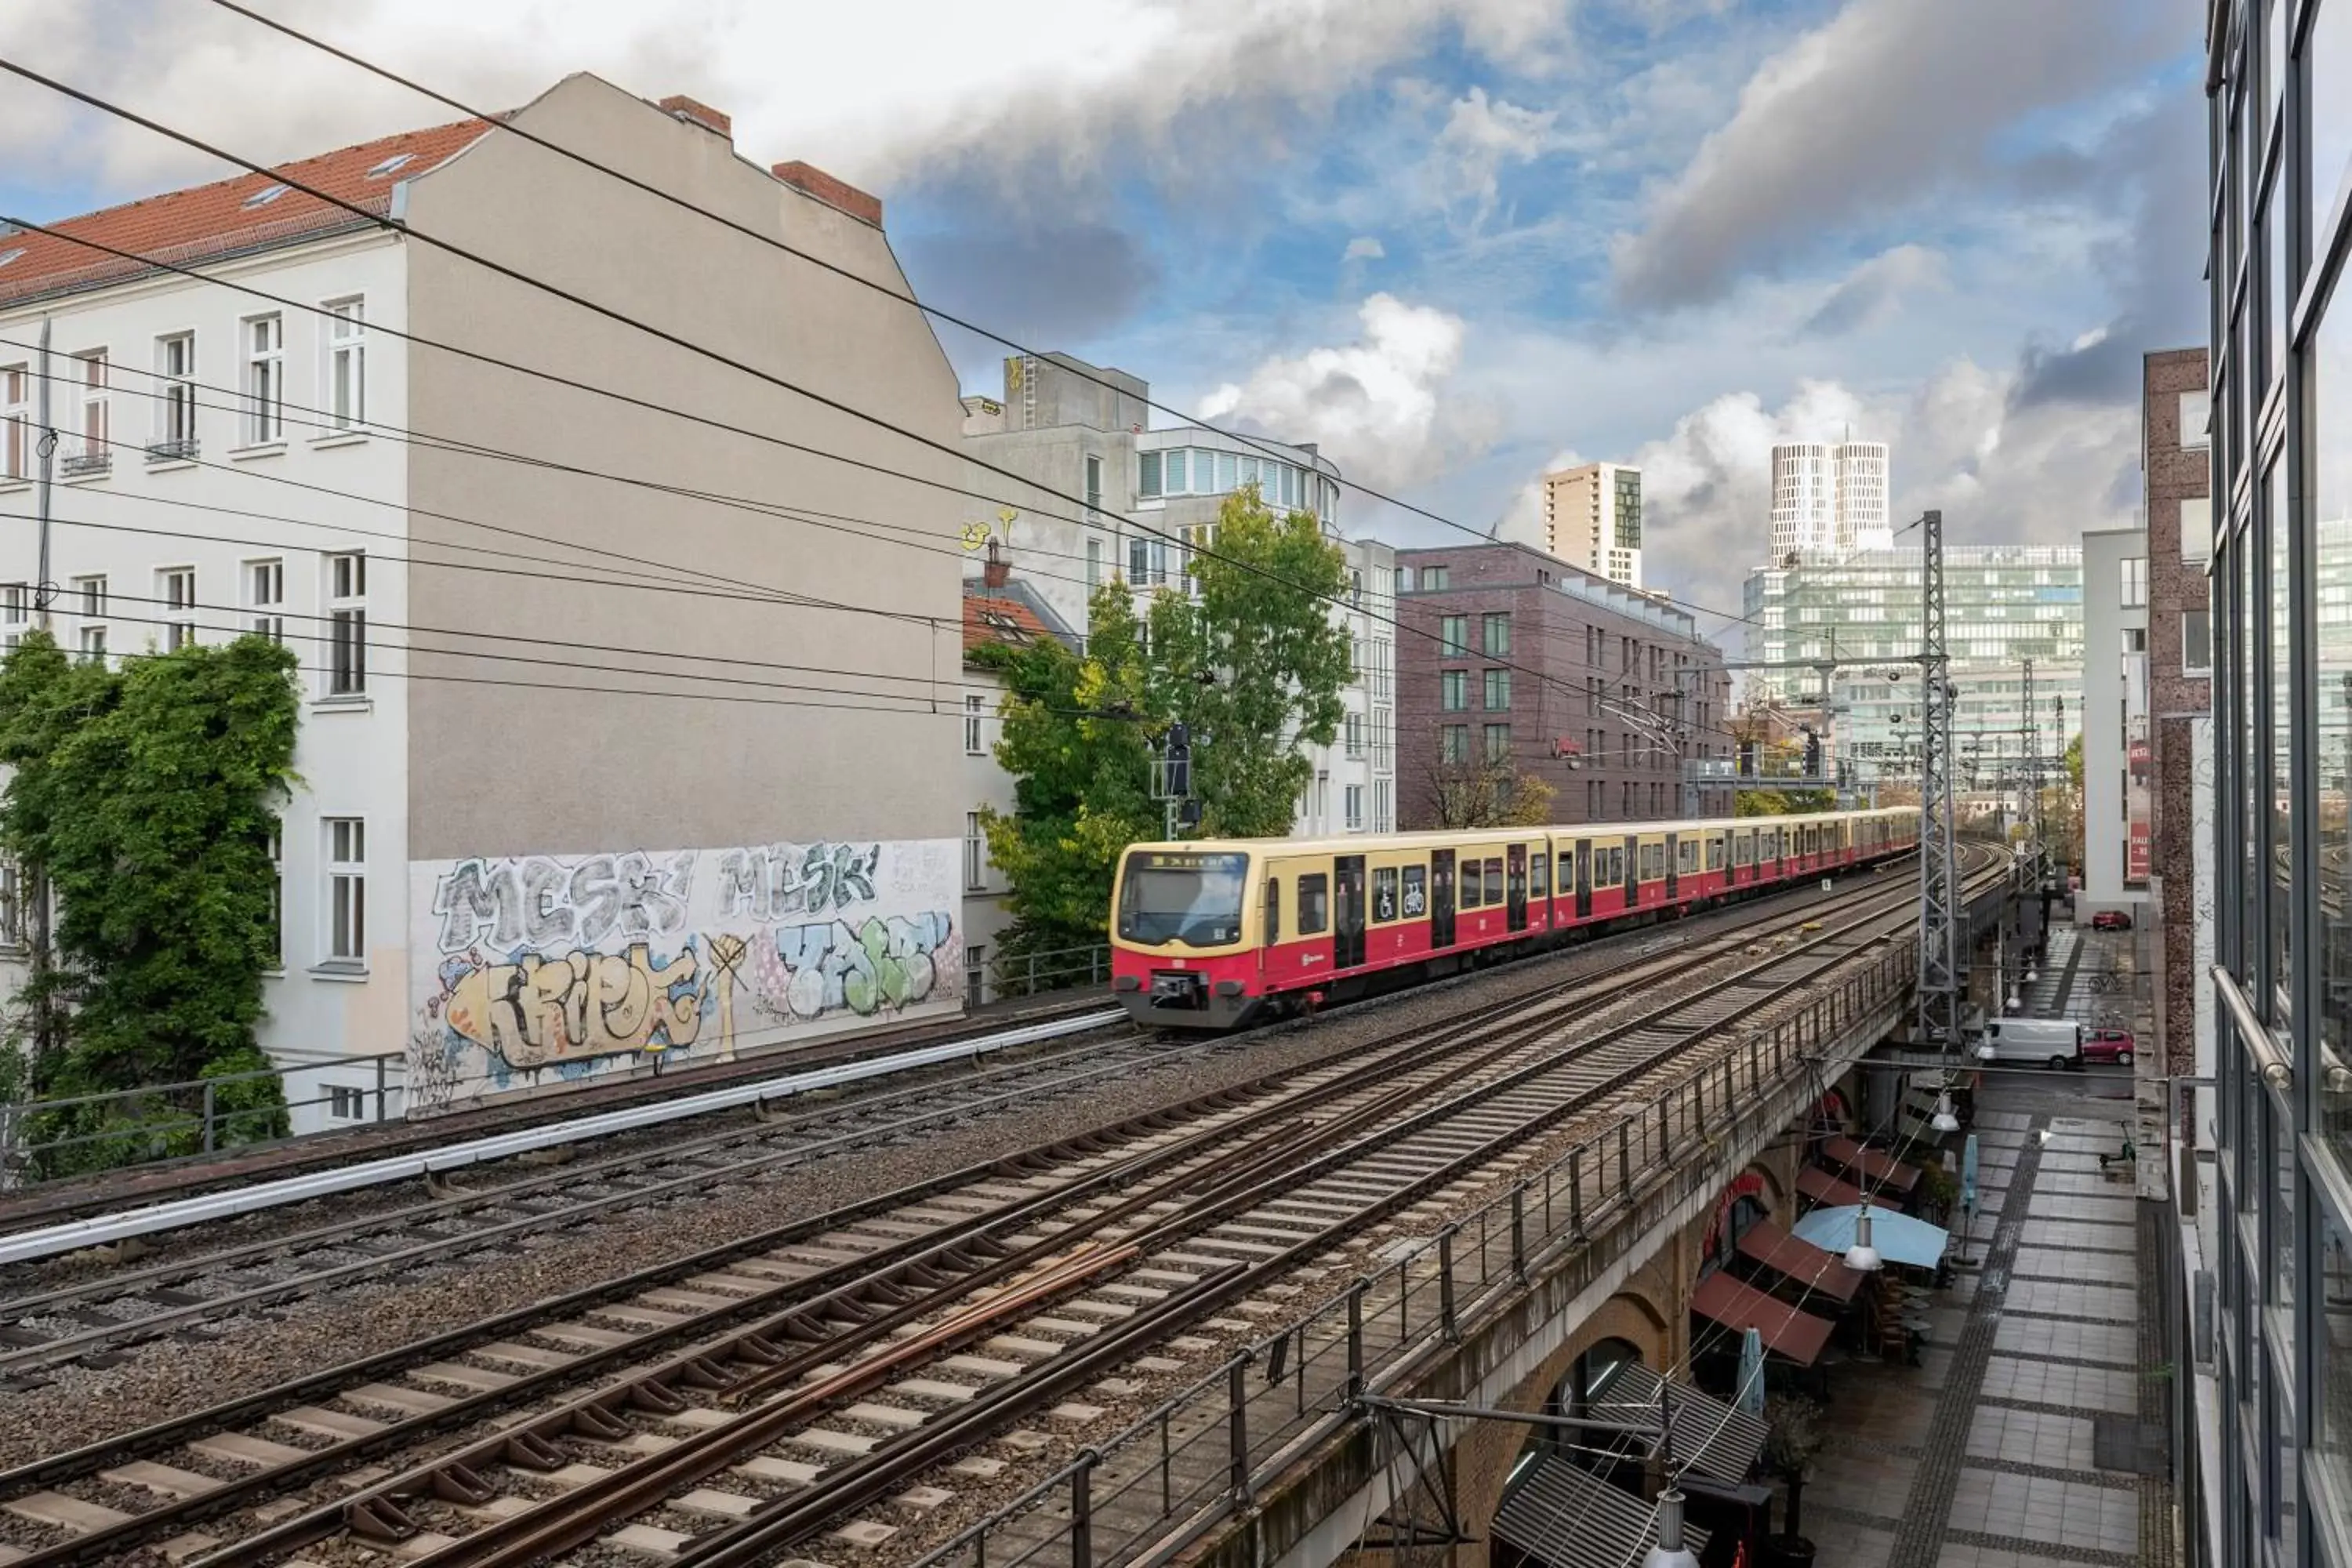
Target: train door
1441, 898
1633, 872
1347, 941
1515, 883
1584, 878
1673, 867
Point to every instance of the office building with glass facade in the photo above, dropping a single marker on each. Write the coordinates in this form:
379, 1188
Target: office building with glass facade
2267, 1223
1859, 612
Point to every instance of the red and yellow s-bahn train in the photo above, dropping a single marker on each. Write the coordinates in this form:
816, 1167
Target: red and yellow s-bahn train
1215, 934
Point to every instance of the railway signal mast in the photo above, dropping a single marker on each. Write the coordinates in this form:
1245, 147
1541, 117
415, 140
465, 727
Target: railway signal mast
1939, 993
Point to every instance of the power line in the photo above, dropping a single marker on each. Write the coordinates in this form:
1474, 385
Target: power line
361, 213
1266, 448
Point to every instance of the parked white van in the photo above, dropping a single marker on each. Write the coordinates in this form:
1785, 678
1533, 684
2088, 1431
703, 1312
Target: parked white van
2048, 1042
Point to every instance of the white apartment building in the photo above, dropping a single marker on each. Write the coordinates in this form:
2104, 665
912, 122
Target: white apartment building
1592, 519
1830, 496
1077, 430
560, 745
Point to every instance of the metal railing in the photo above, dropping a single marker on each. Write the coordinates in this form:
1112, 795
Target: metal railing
1201, 1457
44, 1139
1038, 974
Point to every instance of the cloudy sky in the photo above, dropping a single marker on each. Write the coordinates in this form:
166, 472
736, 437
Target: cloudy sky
1456, 241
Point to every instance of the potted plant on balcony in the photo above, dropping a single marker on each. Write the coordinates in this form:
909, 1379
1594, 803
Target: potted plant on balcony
1794, 1440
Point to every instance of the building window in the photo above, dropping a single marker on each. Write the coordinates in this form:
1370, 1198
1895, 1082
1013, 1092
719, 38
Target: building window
2197, 529
15, 610
973, 707
265, 380
345, 1103
2196, 643
1173, 472
12, 902
1094, 486
265, 599
96, 449
1453, 636
346, 364
1454, 744
90, 596
346, 842
1498, 690
347, 624
2135, 582
1354, 731
975, 854
1382, 822
176, 587
175, 405
1498, 742
1499, 636
277, 852
2135, 639
1355, 805
1094, 564
17, 436
1434, 578
1454, 690
1147, 475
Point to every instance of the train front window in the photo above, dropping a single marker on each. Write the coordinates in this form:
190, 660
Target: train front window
1194, 898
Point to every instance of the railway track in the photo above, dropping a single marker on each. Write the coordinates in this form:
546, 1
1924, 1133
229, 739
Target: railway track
811, 1369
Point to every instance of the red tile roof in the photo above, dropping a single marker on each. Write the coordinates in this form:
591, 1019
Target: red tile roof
988, 619
214, 220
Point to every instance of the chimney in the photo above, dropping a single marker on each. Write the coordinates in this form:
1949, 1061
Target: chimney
702, 114
998, 571
838, 195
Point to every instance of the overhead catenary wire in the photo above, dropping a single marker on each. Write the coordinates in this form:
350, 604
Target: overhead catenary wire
622, 318
771, 510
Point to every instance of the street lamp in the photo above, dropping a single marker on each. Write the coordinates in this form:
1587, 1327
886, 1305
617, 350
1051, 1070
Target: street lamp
1862, 1258
1944, 1120
1670, 1552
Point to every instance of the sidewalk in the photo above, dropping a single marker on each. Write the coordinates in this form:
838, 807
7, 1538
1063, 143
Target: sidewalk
2031, 1435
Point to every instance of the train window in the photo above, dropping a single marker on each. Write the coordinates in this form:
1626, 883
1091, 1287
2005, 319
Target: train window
1687, 855
1539, 875
1273, 910
1653, 862
1314, 904
1715, 854
1416, 892
1494, 881
1474, 884
1384, 894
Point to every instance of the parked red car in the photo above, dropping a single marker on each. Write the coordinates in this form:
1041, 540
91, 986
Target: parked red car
2108, 1045
2111, 920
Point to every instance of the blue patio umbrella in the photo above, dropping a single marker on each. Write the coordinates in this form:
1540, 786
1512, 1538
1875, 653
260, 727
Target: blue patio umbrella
1751, 1372
1898, 1237
1968, 1173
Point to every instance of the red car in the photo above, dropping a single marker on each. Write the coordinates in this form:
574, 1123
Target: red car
2111, 920
2107, 1044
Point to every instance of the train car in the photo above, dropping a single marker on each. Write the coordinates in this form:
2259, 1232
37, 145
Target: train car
1215, 934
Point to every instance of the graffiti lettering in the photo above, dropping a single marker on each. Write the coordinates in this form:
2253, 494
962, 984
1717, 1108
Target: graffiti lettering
542, 1010
883, 965
783, 879
541, 903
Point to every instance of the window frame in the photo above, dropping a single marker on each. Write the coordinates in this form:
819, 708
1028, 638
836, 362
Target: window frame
343, 356
1319, 912
265, 618
175, 598
343, 868
975, 854
94, 427
262, 377
346, 675
975, 710
19, 444
175, 397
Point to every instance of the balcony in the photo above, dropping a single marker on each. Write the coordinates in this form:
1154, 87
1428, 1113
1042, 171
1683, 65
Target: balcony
174, 450
84, 464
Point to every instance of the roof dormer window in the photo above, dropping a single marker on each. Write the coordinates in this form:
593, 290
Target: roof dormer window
389, 165
264, 196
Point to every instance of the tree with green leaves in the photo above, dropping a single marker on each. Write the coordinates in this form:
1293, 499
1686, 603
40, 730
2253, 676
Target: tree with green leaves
1249, 660
145, 798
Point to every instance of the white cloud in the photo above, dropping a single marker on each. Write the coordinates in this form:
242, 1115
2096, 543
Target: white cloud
1882, 105
1872, 291
1380, 407
1363, 248
869, 92
1480, 136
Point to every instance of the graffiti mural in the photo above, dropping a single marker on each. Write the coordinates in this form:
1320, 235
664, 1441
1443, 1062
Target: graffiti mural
531, 970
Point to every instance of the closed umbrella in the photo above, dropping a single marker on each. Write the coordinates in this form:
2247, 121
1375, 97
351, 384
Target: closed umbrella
1751, 1372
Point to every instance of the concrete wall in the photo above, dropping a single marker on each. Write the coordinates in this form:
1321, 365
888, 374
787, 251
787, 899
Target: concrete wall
2107, 696
504, 769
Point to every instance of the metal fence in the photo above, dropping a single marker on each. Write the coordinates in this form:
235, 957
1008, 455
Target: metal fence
47, 1139
1201, 1457
1038, 974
